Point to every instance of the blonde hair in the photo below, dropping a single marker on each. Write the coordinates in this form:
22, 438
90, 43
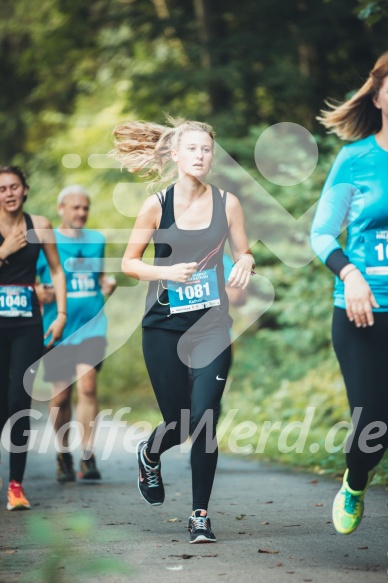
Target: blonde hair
145, 147
358, 117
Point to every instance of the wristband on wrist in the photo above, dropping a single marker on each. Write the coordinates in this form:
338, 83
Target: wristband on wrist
351, 268
64, 313
253, 261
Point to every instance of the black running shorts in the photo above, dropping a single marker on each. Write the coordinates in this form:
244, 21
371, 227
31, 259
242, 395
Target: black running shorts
61, 361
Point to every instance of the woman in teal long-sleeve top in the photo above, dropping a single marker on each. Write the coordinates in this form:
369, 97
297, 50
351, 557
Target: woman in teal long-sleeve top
356, 194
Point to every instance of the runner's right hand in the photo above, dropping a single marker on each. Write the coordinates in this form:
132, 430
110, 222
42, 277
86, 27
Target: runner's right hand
180, 272
45, 293
13, 242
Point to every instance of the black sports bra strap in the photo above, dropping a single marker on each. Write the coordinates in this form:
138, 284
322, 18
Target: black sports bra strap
32, 235
29, 223
161, 197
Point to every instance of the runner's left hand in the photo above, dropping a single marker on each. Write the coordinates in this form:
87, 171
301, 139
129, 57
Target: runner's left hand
241, 272
56, 329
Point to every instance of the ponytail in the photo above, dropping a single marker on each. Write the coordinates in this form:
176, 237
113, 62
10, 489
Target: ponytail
145, 147
358, 117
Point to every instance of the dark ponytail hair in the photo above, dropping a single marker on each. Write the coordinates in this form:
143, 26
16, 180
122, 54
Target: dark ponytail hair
17, 171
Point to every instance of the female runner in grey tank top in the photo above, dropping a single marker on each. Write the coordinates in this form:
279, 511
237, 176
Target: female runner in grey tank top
186, 321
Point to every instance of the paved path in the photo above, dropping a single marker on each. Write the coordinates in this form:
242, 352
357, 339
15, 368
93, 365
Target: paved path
272, 525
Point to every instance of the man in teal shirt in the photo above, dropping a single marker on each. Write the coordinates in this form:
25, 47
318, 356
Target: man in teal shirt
82, 348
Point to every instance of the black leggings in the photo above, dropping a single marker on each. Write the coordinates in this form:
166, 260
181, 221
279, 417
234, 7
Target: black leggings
20, 347
363, 355
183, 403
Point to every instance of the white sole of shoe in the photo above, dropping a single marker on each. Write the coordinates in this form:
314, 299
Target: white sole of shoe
145, 499
12, 508
202, 539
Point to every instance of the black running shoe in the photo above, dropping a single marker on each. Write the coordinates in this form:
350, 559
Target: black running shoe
88, 469
150, 481
65, 470
200, 529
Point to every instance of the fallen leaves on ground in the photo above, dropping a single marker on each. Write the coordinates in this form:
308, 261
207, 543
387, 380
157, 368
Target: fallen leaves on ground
185, 556
267, 552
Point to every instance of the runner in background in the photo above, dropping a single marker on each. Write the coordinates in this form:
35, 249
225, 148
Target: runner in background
82, 349
186, 322
22, 236
356, 192
237, 296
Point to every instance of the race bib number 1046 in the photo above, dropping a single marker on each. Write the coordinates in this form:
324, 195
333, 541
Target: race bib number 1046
15, 300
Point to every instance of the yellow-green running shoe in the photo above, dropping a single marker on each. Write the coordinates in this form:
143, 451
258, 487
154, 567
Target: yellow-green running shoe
348, 506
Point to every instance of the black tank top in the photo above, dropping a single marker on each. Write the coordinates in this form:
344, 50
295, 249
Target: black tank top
174, 245
20, 269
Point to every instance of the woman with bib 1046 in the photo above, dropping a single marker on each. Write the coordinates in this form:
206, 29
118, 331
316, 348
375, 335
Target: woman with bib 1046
21, 331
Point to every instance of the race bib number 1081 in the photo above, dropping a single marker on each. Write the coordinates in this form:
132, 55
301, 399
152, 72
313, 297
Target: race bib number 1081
199, 292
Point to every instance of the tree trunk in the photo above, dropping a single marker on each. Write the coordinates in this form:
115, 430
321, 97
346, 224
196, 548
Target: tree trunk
211, 29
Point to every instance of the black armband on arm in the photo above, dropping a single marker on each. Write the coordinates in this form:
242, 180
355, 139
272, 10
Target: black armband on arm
337, 261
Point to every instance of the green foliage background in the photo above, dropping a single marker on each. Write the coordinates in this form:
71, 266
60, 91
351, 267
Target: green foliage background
72, 69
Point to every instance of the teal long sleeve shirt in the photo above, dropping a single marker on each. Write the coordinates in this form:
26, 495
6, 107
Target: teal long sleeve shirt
356, 194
